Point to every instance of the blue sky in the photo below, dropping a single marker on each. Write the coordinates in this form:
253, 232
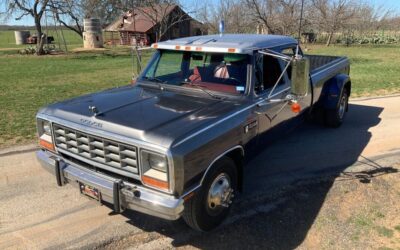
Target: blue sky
393, 5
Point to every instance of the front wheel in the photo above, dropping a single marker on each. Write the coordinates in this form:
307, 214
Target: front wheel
334, 117
211, 204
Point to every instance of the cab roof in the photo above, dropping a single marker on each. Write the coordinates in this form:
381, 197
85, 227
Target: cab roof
232, 43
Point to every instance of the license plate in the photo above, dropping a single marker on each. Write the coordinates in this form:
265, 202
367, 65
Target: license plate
90, 191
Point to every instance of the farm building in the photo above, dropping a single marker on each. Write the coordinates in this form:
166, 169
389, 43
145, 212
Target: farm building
146, 25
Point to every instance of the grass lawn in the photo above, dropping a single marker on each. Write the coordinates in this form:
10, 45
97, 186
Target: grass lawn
30, 82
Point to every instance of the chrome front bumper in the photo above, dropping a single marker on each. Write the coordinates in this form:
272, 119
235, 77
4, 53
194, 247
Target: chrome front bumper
117, 192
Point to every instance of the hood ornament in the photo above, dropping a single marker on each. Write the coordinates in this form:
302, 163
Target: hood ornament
94, 110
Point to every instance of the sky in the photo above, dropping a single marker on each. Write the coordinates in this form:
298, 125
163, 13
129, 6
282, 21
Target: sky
393, 5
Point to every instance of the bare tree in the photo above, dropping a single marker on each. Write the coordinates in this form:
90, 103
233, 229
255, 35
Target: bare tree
35, 9
263, 13
332, 15
69, 13
236, 17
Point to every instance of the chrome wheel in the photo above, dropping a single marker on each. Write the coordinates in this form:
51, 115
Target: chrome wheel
342, 105
220, 194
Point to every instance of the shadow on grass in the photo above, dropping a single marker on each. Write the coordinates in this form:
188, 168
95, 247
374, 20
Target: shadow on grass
277, 207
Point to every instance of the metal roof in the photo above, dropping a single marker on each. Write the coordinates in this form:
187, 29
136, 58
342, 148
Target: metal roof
234, 43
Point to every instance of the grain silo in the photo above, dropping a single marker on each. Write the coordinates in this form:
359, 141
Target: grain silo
21, 36
92, 35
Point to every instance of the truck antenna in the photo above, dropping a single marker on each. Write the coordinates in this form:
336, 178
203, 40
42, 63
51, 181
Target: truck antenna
221, 27
300, 24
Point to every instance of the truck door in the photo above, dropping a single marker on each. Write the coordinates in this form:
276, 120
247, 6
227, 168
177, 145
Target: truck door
274, 112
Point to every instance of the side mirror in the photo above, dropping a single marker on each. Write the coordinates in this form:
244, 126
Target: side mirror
300, 76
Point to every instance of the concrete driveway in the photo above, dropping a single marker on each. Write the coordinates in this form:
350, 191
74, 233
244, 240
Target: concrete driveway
35, 213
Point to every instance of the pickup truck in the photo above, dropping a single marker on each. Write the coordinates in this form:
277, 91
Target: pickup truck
176, 142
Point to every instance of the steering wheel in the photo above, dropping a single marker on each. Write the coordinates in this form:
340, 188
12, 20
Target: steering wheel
232, 78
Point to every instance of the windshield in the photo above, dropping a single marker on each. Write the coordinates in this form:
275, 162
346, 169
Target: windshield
222, 72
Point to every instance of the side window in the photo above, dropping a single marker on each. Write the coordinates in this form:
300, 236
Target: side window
268, 70
289, 52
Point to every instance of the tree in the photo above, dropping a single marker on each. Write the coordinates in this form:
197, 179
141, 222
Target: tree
263, 13
35, 9
70, 10
332, 15
236, 17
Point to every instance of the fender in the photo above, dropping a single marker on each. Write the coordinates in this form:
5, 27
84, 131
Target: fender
333, 89
204, 174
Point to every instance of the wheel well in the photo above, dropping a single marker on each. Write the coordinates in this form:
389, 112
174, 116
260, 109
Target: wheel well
237, 155
347, 86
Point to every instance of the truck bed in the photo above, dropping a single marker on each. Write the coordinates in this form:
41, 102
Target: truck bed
323, 68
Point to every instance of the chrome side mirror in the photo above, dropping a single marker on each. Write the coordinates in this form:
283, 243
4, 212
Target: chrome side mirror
300, 76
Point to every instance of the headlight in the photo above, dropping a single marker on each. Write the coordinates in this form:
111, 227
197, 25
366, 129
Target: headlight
46, 128
155, 170
44, 132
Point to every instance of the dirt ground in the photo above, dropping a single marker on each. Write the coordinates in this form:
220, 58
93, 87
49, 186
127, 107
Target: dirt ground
335, 189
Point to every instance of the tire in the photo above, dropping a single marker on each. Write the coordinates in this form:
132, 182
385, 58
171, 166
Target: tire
334, 117
199, 212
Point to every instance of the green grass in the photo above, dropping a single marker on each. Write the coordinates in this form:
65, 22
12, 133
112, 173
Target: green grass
374, 69
30, 82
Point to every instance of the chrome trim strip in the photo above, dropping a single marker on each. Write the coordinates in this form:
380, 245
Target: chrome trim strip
210, 165
228, 117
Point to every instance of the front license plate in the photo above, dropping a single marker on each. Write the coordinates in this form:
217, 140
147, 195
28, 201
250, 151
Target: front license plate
90, 191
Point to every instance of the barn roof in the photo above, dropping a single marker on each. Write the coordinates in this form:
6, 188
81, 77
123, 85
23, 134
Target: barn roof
141, 19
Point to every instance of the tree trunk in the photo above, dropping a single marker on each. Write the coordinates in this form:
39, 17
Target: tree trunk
40, 37
329, 39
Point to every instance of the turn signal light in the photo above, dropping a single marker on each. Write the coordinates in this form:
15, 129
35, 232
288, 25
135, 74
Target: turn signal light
47, 145
155, 45
296, 108
155, 183
231, 50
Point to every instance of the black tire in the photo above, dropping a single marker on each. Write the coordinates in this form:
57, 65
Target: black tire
334, 117
197, 213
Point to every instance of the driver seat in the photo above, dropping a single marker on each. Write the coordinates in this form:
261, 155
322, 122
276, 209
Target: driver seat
221, 72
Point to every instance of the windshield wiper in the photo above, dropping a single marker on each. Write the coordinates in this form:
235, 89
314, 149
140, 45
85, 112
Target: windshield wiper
204, 90
156, 80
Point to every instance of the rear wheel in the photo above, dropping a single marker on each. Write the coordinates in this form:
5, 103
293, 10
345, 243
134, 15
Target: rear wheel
211, 204
334, 117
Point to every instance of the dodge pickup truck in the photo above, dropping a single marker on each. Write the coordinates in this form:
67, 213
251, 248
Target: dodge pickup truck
175, 144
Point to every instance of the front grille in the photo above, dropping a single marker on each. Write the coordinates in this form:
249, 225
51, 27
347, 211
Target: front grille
98, 149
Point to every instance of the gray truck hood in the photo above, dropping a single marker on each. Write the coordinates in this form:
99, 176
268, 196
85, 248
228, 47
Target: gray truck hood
147, 114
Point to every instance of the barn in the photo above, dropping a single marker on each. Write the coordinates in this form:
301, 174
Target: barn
147, 25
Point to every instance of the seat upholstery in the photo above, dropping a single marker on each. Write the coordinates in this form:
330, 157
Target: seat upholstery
221, 72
